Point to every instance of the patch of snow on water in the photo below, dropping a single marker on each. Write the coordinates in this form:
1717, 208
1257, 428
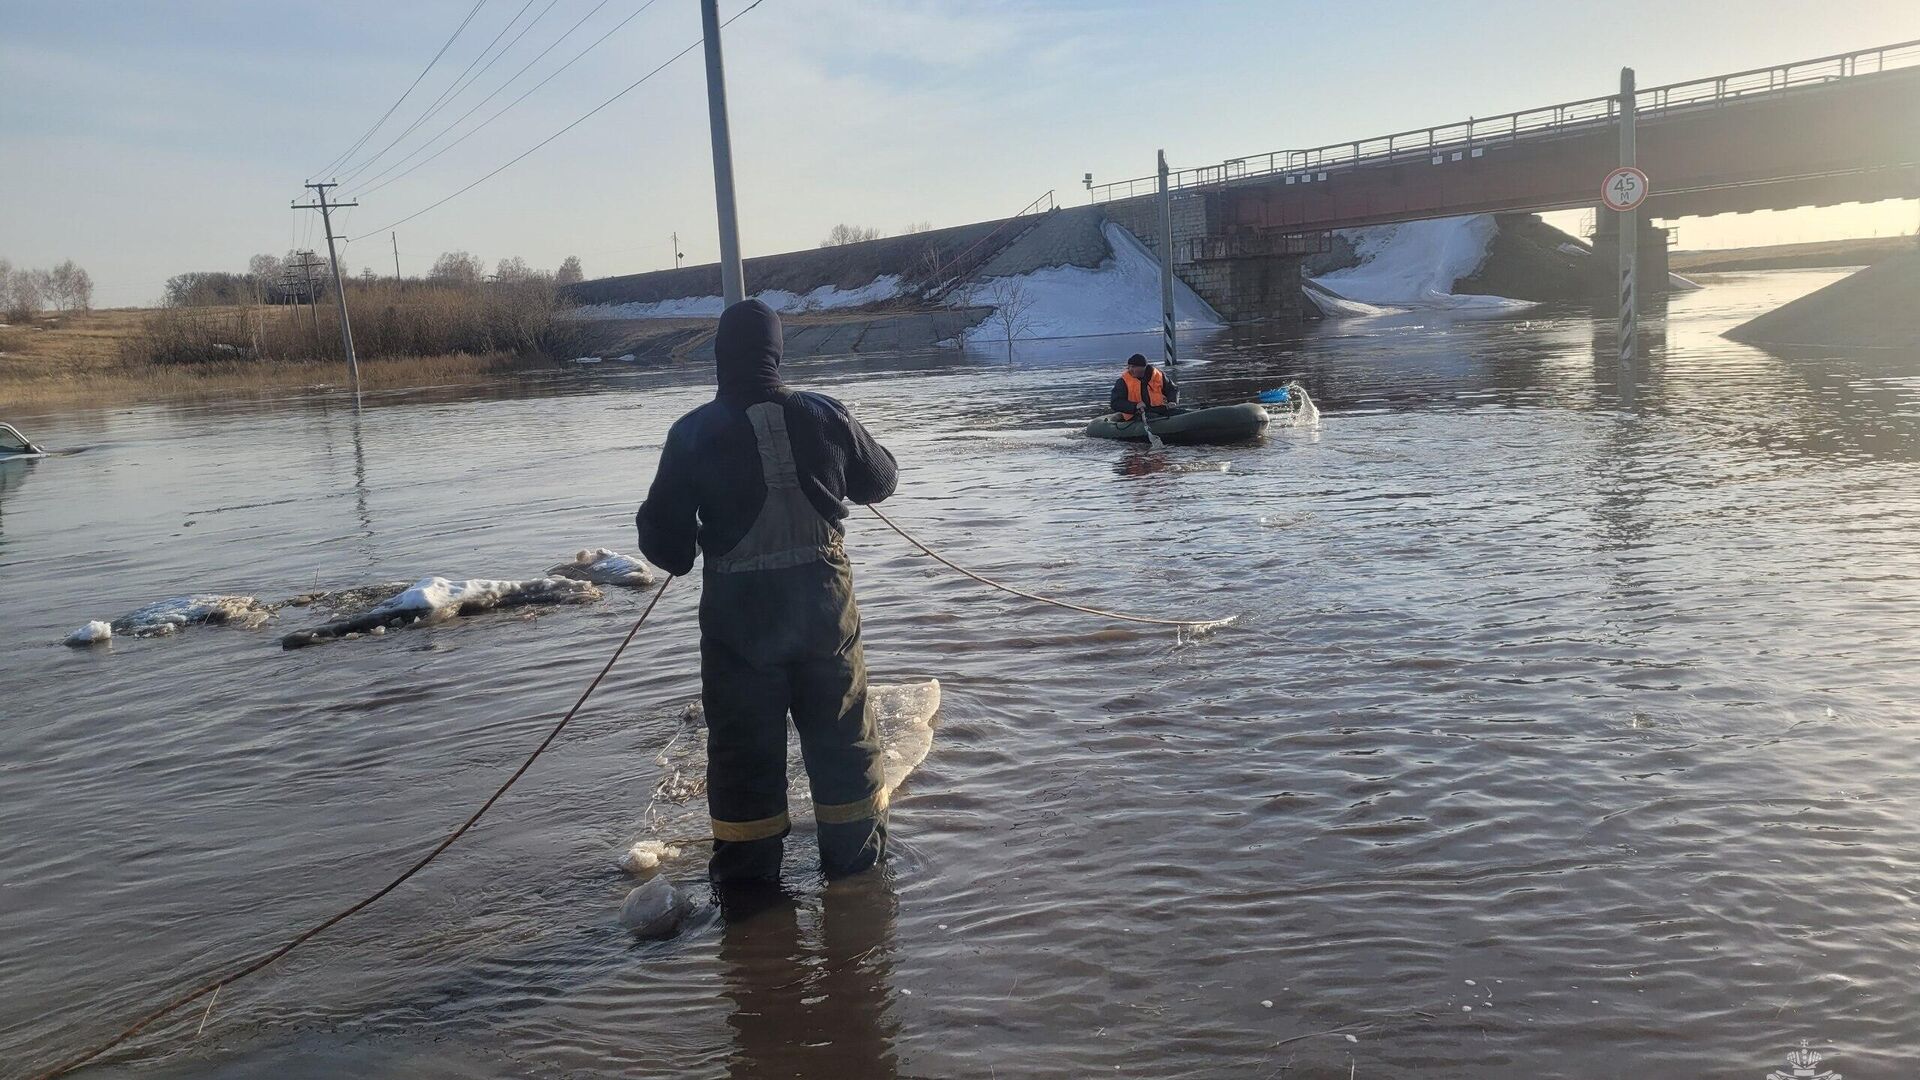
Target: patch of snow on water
605, 567
93, 633
1120, 296
1414, 264
437, 597
824, 298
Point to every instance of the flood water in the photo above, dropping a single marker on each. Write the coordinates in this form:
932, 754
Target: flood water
1567, 728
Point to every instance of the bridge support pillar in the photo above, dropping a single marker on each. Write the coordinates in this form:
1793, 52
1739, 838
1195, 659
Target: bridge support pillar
1652, 252
1250, 288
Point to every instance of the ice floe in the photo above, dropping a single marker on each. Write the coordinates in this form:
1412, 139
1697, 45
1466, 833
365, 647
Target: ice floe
605, 567
436, 599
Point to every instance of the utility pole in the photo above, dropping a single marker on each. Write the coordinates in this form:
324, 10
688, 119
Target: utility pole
733, 283
1629, 229
1166, 260
396, 255
307, 265
676, 250
339, 290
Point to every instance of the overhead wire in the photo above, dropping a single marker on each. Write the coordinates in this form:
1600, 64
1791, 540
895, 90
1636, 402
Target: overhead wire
351, 150
630, 87
369, 185
459, 85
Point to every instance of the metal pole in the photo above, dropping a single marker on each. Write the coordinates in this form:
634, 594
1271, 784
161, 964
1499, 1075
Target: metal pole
1166, 261
733, 283
1629, 231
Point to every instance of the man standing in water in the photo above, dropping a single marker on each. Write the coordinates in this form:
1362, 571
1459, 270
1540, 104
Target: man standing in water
1142, 383
757, 480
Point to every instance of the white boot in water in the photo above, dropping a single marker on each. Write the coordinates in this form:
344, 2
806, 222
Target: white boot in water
655, 909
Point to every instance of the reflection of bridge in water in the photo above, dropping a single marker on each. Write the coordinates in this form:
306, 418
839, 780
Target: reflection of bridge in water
1817, 132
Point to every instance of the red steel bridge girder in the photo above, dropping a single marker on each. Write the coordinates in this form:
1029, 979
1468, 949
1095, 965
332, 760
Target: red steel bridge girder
1852, 139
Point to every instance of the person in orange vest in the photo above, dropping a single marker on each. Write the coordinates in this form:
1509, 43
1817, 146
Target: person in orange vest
1142, 382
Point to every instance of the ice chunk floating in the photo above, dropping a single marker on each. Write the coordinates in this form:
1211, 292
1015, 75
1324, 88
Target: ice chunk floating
604, 567
167, 616
436, 599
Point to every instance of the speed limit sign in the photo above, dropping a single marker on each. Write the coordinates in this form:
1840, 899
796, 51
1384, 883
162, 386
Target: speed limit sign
1624, 189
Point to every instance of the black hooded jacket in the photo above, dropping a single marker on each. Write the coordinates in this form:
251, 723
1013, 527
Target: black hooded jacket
709, 489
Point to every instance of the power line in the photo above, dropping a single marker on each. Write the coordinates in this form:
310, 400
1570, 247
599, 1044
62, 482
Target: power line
475, 10
459, 84
509, 106
525, 153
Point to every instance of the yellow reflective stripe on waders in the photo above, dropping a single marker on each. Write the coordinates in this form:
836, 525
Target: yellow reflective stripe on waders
847, 813
742, 831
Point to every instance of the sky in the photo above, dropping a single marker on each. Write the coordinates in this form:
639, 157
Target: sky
144, 139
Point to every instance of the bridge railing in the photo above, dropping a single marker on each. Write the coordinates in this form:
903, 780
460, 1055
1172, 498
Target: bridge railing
1471, 137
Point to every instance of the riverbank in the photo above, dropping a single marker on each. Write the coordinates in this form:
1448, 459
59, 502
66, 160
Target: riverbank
1858, 252
84, 359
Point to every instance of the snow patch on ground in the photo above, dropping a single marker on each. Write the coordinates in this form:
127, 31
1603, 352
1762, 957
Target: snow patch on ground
824, 298
1414, 264
1120, 296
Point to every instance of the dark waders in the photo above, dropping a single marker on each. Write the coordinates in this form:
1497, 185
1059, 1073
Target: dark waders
779, 633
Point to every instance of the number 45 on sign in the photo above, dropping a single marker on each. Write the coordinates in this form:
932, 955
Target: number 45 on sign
1624, 189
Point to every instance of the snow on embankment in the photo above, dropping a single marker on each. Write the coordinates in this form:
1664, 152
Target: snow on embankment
824, 298
1413, 264
1120, 296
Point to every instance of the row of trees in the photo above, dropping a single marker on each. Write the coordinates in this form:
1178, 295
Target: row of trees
24, 292
466, 268
844, 233
298, 277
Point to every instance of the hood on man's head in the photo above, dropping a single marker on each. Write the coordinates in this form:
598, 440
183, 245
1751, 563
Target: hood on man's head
746, 351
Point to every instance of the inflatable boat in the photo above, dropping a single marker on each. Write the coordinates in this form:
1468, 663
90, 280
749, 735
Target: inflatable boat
1215, 424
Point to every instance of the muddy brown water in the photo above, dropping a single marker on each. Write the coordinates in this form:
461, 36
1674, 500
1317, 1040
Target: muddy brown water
1567, 729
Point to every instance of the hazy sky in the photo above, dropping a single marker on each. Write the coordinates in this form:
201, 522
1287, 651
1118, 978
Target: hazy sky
145, 138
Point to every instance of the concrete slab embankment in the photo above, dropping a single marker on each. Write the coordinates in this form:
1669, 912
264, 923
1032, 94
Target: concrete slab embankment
981, 252
1872, 309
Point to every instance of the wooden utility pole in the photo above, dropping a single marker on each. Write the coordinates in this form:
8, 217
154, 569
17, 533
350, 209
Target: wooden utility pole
333, 255
676, 250
308, 263
396, 255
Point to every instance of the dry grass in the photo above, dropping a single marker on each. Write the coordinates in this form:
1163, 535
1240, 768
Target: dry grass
95, 359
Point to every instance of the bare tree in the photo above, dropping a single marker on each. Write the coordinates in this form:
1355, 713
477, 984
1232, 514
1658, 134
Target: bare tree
457, 268
514, 269
849, 234
917, 227
569, 272
6, 288
1012, 308
81, 296
68, 287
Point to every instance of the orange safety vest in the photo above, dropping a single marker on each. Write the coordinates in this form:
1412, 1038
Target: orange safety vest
1156, 389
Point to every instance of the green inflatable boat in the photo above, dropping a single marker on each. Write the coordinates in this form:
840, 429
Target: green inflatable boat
1214, 424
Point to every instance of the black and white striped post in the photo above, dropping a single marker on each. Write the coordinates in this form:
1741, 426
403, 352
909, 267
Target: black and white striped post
1628, 208
1166, 261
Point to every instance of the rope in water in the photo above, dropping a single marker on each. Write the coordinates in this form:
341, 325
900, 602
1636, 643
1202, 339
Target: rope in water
949, 564
214, 986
